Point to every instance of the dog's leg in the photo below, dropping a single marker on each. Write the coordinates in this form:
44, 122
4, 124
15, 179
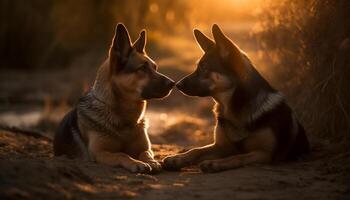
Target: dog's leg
259, 148
148, 157
236, 161
100, 149
194, 156
122, 160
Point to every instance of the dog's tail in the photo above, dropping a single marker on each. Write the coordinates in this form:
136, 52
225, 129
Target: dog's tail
27, 132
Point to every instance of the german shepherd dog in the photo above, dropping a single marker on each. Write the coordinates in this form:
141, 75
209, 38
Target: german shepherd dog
254, 123
108, 125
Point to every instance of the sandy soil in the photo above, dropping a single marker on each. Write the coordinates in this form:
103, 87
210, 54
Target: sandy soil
29, 171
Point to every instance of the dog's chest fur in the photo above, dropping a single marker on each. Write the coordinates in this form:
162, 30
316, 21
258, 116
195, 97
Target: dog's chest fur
231, 131
108, 122
239, 124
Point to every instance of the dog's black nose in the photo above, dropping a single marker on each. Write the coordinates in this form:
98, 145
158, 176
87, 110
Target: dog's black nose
170, 83
180, 85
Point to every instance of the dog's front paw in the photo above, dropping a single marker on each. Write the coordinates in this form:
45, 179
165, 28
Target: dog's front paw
140, 167
156, 167
174, 162
210, 166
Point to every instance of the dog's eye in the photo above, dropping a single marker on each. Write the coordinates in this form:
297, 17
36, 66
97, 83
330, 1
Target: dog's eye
202, 63
203, 69
143, 67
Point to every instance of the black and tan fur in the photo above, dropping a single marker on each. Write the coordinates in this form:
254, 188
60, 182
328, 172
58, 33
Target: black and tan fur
108, 124
254, 123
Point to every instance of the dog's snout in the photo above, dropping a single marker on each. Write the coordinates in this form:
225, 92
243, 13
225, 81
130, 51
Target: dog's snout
170, 83
180, 85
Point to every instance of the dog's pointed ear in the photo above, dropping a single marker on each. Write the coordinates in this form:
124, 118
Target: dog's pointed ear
140, 43
204, 42
121, 44
224, 45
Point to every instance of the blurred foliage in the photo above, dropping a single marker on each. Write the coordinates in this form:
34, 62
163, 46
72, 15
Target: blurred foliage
42, 33
311, 40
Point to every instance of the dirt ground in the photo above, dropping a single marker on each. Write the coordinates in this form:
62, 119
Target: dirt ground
28, 170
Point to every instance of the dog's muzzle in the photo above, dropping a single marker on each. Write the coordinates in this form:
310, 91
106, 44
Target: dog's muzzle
158, 88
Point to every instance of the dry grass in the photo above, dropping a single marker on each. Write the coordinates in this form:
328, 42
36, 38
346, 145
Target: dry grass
312, 42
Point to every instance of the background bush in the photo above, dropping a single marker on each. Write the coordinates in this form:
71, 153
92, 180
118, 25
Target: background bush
311, 40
